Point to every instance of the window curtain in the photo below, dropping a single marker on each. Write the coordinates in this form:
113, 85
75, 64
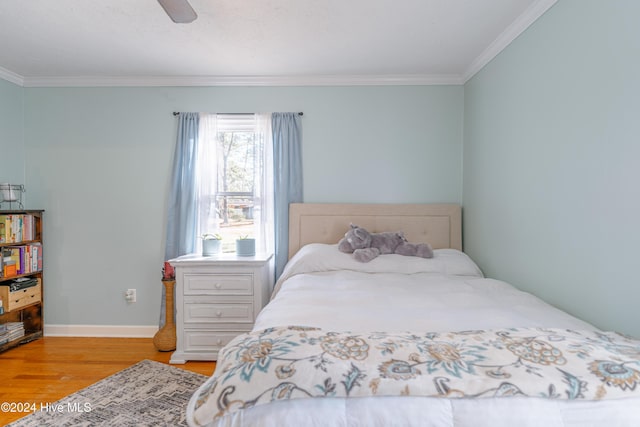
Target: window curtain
287, 170
263, 191
181, 214
207, 174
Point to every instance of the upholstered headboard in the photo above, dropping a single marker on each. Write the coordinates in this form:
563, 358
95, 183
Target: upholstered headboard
440, 225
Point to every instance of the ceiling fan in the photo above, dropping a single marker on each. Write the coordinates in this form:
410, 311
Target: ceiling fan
180, 11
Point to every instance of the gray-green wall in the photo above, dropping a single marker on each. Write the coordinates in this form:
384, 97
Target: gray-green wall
551, 150
99, 160
540, 147
11, 133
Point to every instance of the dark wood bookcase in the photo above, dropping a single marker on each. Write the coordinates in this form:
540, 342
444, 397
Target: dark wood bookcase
25, 305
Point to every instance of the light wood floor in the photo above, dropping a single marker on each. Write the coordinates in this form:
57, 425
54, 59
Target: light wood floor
48, 369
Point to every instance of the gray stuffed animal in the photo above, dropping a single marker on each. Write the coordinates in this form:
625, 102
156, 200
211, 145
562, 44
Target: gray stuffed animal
366, 246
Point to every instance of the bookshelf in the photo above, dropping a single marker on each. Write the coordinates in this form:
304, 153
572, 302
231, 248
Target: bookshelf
21, 281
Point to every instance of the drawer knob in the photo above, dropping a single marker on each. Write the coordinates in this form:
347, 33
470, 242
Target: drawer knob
218, 313
219, 341
218, 285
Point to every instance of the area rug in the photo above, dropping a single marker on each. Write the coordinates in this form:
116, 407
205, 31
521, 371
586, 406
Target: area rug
146, 394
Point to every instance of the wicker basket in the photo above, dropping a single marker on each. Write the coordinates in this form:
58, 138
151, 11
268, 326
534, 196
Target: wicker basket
165, 338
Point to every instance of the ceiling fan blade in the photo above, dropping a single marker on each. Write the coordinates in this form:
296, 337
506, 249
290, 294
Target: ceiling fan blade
180, 11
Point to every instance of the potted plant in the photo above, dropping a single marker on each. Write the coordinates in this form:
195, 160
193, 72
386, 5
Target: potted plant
245, 246
211, 244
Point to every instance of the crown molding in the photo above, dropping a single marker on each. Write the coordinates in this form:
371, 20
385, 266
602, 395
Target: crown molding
533, 12
168, 81
527, 18
12, 77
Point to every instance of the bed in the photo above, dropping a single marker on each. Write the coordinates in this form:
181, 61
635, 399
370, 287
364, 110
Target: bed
406, 341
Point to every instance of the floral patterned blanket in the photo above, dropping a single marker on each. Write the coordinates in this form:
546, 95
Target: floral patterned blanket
299, 362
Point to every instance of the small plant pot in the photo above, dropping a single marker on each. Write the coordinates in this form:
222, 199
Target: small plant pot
211, 247
246, 247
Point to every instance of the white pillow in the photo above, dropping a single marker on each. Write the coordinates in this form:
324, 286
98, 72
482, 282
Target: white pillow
320, 257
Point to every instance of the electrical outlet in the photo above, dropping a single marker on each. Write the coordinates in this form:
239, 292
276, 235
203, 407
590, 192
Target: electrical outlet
130, 295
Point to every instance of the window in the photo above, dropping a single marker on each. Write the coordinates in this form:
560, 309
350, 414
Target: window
234, 179
194, 196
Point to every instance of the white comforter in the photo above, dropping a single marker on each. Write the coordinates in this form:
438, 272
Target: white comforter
324, 288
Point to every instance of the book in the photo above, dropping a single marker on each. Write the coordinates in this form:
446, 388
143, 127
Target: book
16, 228
22, 264
11, 326
14, 335
9, 236
36, 255
28, 231
15, 330
12, 253
27, 258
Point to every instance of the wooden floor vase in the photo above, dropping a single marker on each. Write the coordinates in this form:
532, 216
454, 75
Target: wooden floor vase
165, 338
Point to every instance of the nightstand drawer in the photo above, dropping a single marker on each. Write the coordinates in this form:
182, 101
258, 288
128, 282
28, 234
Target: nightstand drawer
218, 313
207, 340
218, 284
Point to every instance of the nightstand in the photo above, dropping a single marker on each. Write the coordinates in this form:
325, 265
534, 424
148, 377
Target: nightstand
217, 298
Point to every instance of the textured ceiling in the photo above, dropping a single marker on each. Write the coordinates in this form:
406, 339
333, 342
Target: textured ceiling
236, 39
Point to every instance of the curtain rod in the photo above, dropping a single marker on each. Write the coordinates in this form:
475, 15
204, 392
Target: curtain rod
175, 113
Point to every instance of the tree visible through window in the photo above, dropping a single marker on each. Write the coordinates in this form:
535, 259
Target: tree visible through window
235, 192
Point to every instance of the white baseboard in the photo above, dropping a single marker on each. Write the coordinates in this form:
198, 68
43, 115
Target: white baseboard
116, 331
